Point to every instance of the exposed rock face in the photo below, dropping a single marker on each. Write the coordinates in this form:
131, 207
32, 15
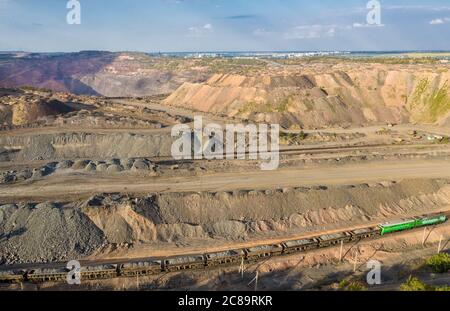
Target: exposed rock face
26, 112
336, 97
310, 94
97, 73
22, 109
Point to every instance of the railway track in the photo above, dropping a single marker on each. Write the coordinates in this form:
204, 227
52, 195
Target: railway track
316, 150
105, 269
282, 152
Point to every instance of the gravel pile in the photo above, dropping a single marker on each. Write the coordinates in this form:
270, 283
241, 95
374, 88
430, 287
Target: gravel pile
46, 232
51, 232
71, 146
10, 177
112, 166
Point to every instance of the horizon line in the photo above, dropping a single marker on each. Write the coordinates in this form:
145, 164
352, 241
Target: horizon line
230, 51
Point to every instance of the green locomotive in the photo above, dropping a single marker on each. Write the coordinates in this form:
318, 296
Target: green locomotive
410, 224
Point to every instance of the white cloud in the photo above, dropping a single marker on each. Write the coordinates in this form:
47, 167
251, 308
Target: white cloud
200, 31
311, 32
321, 31
359, 25
262, 32
416, 8
437, 21
394, 8
440, 21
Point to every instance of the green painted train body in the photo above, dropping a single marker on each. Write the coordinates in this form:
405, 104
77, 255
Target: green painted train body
412, 224
401, 226
429, 221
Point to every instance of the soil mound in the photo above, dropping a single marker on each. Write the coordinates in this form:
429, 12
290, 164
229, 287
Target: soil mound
28, 108
47, 232
372, 94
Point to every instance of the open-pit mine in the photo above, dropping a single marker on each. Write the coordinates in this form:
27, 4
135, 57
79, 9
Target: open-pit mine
87, 172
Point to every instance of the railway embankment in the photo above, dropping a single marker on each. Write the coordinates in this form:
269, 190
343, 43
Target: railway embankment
197, 220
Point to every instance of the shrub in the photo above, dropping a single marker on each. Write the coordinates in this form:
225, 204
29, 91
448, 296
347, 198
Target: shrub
439, 263
292, 138
414, 285
353, 286
35, 89
445, 140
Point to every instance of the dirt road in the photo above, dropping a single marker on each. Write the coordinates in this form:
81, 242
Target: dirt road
62, 186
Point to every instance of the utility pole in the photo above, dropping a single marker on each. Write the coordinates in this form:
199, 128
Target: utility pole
242, 268
424, 236
440, 244
255, 280
341, 250
355, 261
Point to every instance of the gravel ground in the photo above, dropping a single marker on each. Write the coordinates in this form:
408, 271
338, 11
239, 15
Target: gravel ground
46, 232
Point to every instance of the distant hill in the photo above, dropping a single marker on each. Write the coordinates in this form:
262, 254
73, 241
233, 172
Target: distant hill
296, 93
94, 73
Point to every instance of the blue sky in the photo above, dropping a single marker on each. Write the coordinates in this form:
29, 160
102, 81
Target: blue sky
223, 25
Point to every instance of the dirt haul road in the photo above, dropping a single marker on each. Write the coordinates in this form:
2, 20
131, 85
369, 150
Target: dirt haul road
65, 186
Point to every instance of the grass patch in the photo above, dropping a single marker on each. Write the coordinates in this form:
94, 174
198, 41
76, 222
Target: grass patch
443, 141
413, 284
436, 104
267, 107
440, 102
292, 138
234, 66
439, 263
257, 107
353, 286
420, 91
35, 89
390, 60
285, 104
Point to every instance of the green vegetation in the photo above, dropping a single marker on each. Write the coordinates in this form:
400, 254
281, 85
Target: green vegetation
35, 89
442, 289
285, 104
267, 107
439, 102
413, 284
436, 104
420, 91
428, 54
257, 107
214, 65
292, 138
172, 65
352, 286
396, 60
439, 263
235, 66
390, 60
444, 141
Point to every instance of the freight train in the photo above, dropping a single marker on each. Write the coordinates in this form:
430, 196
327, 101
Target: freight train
216, 259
